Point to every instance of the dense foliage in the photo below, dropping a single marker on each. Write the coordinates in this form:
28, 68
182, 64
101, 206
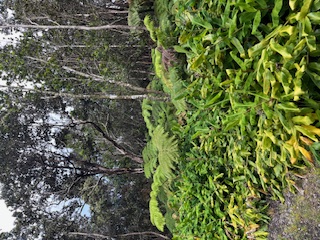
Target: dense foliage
71, 128
246, 115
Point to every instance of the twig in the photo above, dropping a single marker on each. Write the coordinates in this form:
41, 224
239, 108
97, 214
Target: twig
95, 235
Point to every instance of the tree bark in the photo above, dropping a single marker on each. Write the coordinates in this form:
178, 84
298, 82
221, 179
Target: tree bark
122, 150
101, 79
75, 27
88, 96
94, 169
95, 235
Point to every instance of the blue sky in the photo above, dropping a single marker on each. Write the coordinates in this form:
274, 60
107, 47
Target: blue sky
6, 219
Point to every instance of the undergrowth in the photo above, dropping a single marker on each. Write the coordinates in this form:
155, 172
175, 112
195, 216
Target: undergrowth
243, 117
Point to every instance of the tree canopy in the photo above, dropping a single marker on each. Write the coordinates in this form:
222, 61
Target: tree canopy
71, 126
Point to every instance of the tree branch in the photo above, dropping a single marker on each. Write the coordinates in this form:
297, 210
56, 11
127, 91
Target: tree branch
95, 235
101, 79
121, 149
75, 27
88, 96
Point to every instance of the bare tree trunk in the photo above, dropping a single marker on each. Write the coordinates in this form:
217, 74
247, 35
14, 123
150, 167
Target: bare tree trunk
121, 149
88, 96
94, 169
102, 79
95, 235
85, 28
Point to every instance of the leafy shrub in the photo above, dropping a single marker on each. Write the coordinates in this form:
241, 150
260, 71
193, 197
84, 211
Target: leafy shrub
250, 115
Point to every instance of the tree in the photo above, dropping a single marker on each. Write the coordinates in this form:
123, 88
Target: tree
66, 135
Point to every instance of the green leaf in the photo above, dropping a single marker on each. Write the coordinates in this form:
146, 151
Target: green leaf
314, 17
150, 27
305, 8
304, 120
311, 43
307, 133
293, 4
156, 216
277, 170
285, 122
288, 107
267, 79
245, 7
213, 100
267, 110
238, 61
284, 77
238, 46
198, 20
180, 49
150, 157
232, 123
197, 61
314, 77
275, 12
233, 25
256, 22
280, 49
257, 49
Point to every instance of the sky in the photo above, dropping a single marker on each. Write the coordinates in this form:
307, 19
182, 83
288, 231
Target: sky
6, 219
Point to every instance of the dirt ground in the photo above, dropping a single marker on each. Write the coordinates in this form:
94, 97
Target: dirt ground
298, 218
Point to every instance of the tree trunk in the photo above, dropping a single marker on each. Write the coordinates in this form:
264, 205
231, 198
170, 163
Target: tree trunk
101, 79
122, 150
88, 96
95, 235
85, 28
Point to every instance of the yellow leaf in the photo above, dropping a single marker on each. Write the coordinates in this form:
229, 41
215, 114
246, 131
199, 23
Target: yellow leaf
306, 140
293, 160
293, 142
306, 154
312, 129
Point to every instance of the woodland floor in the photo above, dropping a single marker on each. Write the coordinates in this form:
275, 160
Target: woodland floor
299, 216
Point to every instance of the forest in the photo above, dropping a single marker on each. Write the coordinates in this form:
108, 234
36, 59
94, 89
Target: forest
72, 132
168, 119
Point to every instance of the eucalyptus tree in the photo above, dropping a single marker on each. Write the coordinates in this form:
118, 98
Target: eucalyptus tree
45, 162
70, 120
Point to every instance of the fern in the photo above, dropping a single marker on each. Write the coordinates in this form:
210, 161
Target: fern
156, 215
167, 148
150, 27
157, 62
163, 150
146, 112
149, 155
159, 156
134, 18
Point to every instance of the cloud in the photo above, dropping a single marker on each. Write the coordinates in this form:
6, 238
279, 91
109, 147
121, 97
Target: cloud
6, 219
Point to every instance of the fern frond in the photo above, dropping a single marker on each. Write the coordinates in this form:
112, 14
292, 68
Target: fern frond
156, 215
150, 27
146, 113
167, 150
134, 18
157, 62
150, 157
